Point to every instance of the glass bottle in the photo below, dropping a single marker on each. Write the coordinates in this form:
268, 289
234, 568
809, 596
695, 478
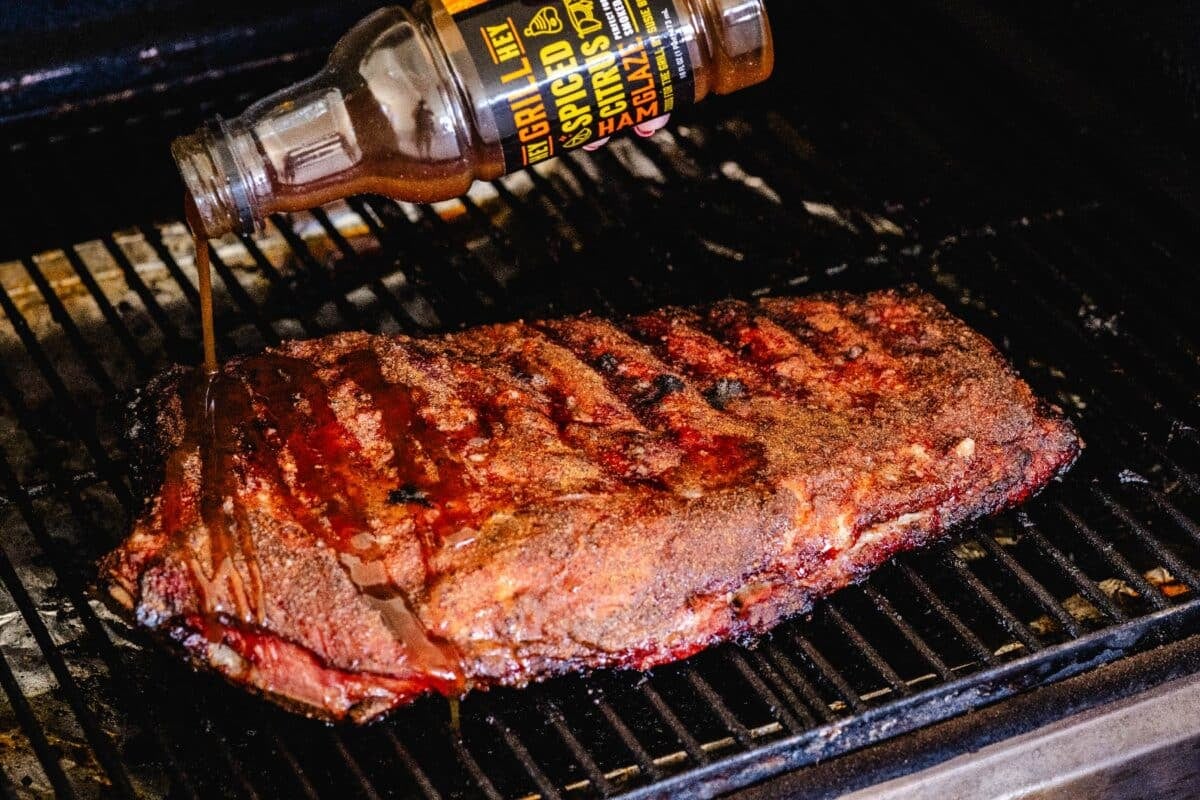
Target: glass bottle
416, 104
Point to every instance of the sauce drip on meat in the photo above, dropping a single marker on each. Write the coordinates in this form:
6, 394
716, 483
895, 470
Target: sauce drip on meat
208, 403
237, 425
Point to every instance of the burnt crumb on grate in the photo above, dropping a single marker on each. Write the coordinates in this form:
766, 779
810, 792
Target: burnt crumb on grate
724, 392
407, 495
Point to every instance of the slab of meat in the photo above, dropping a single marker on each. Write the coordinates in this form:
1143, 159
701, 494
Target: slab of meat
346, 524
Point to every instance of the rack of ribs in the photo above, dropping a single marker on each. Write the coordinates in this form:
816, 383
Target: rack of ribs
344, 525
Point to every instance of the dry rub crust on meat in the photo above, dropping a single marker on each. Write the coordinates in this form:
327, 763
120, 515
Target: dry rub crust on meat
378, 517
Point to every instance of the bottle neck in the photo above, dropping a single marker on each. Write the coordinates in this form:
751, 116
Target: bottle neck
226, 177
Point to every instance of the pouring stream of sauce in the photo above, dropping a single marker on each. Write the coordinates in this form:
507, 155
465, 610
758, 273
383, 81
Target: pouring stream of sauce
204, 272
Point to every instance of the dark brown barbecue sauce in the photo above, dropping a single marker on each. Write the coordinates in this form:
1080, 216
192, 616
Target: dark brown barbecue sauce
237, 423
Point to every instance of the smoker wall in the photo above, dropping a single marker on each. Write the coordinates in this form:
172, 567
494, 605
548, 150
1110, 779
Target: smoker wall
54, 56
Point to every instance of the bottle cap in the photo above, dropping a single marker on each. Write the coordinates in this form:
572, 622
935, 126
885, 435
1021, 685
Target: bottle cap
744, 50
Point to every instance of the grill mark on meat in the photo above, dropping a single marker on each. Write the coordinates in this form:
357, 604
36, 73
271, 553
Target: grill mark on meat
622, 494
324, 454
707, 450
677, 336
425, 476
731, 326
589, 418
853, 356
764, 343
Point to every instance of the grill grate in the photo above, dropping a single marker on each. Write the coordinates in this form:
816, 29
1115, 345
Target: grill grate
875, 178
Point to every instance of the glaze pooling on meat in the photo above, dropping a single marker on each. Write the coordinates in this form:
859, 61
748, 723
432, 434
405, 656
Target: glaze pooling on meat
378, 517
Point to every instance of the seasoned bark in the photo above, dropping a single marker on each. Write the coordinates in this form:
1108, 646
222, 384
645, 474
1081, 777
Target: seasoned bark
364, 519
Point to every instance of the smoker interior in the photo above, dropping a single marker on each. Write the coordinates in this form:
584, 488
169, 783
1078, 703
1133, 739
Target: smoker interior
1038, 188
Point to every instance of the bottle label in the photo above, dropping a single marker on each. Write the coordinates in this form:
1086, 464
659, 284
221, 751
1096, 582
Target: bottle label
560, 74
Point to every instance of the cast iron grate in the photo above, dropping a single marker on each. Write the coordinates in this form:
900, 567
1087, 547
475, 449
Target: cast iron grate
1086, 286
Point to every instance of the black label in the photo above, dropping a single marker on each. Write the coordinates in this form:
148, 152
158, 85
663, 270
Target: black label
563, 73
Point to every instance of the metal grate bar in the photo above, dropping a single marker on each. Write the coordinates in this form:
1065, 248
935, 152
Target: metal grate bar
154, 238
826, 670
410, 763
1086, 586
544, 785
780, 710
47, 757
641, 757
70, 178
1122, 294
1110, 372
296, 770
1001, 119
1180, 570
884, 606
1092, 232
364, 783
50, 547
64, 321
593, 772
1110, 554
482, 782
877, 662
316, 271
1046, 600
8, 789
1136, 362
137, 355
176, 347
1035, 288
718, 706
965, 635
452, 296
976, 588
240, 297
387, 298
91, 623
113, 765
554, 230
408, 295
692, 747
1119, 427
311, 326
74, 417
587, 225
463, 260
812, 698
794, 710
494, 232
1185, 523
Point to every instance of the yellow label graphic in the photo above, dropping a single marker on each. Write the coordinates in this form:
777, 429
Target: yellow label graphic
559, 74
546, 22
